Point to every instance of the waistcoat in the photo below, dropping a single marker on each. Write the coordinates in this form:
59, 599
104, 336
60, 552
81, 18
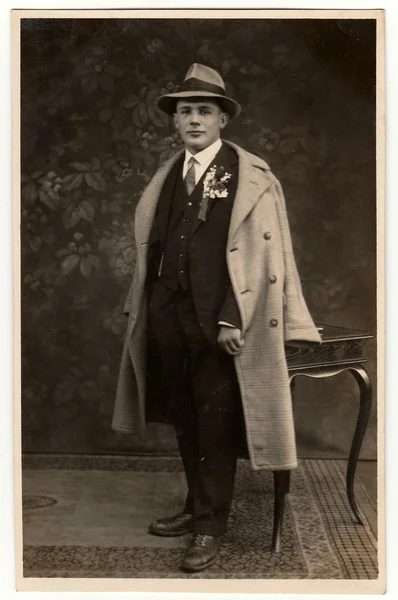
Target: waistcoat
183, 213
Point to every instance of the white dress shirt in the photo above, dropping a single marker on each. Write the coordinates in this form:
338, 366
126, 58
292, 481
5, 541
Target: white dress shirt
203, 159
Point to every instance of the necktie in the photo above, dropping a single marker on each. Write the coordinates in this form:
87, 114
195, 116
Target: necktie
190, 176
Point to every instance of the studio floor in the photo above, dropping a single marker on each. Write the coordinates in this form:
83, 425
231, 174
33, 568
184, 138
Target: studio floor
88, 516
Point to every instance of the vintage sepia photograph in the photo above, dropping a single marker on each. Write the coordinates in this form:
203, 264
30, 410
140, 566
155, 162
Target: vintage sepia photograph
198, 201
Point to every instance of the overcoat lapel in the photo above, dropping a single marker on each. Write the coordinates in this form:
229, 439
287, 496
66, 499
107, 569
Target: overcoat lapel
146, 208
251, 186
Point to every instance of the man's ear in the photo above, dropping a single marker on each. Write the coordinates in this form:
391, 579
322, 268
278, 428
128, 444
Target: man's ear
175, 120
224, 120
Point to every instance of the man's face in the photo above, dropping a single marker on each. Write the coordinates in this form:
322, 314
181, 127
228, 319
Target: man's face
199, 123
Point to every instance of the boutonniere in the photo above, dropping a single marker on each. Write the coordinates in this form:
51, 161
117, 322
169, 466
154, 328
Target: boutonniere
214, 186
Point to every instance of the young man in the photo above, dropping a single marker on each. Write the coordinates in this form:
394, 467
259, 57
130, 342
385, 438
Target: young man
214, 298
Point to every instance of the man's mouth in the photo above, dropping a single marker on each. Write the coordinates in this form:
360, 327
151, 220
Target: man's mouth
195, 133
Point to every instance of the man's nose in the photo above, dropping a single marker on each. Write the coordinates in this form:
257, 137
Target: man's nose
194, 119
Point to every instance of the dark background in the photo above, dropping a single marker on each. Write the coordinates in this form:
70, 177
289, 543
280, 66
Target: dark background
92, 137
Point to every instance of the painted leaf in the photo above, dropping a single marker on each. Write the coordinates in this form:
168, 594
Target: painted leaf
79, 166
278, 61
69, 263
88, 390
94, 203
86, 210
115, 206
129, 255
319, 295
302, 159
140, 115
95, 261
288, 145
96, 164
124, 243
70, 216
296, 172
65, 392
86, 267
116, 168
143, 91
115, 71
253, 137
35, 242
152, 97
48, 200
62, 252
157, 117
280, 49
48, 236
106, 243
255, 70
89, 83
73, 181
29, 193
130, 101
82, 70
96, 181
108, 162
225, 67
107, 83
105, 114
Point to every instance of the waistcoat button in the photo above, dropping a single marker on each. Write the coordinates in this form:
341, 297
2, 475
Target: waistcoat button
273, 322
267, 235
272, 278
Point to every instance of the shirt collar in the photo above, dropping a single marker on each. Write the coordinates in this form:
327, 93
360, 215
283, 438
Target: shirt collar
206, 155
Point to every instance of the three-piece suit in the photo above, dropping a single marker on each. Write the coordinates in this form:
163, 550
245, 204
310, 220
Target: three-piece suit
236, 266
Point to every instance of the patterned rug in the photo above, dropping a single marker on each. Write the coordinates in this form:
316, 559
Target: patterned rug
320, 540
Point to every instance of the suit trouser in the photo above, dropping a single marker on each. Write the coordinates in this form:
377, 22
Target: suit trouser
203, 402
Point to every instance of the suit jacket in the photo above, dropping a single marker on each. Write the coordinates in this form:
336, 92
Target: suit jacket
208, 272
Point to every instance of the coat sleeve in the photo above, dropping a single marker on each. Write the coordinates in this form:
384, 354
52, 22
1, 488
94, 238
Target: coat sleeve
230, 311
298, 323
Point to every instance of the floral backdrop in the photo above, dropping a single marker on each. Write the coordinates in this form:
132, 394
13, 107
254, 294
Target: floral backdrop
92, 137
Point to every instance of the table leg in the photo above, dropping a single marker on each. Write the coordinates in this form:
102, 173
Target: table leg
281, 488
365, 405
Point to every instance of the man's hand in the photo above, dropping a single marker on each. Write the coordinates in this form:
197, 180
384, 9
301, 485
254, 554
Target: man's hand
229, 339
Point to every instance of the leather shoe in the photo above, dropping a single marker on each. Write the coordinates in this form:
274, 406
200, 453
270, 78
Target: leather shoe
201, 553
174, 526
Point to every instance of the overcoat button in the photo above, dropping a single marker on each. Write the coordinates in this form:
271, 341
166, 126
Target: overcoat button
272, 278
267, 235
273, 322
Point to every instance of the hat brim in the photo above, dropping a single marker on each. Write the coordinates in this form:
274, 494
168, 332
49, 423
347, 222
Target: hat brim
167, 103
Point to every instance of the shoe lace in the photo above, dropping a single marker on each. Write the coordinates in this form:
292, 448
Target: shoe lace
201, 539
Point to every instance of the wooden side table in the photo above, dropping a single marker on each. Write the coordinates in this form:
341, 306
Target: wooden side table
341, 350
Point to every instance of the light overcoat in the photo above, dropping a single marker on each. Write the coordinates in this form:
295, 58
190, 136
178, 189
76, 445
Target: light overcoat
273, 312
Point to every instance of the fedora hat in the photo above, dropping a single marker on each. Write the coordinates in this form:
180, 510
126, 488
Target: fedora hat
200, 82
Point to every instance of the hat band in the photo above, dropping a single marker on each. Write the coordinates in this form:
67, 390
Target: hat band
198, 85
